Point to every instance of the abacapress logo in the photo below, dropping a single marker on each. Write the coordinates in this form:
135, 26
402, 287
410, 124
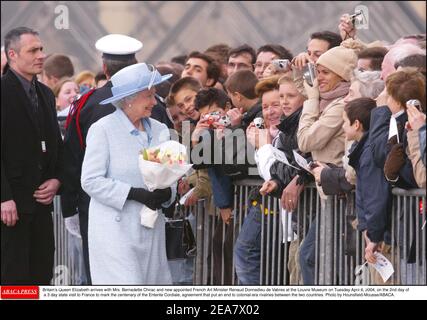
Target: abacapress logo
20, 292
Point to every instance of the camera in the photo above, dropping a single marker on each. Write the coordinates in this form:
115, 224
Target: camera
356, 17
414, 102
259, 122
225, 121
217, 117
281, 65
310, 73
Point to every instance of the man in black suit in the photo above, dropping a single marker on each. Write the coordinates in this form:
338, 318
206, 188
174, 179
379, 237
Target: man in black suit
31, 163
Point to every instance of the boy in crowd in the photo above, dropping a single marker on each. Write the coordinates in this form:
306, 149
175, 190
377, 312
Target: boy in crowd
202, 67
240, 88
373, 193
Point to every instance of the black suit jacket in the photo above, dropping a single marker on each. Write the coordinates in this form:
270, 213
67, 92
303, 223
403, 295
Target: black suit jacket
22, 169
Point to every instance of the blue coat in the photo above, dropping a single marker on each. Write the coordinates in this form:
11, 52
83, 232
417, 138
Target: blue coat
378, 137
121, 250
373, 193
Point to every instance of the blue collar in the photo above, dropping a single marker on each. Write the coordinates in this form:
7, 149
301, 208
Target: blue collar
132, 130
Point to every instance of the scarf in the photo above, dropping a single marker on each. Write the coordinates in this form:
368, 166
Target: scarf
340, 91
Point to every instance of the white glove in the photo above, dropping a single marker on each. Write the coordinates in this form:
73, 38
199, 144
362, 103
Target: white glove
312, 91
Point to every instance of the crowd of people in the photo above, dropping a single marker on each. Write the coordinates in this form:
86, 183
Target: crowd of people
79, 136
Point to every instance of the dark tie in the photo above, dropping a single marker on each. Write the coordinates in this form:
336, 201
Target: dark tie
33, 97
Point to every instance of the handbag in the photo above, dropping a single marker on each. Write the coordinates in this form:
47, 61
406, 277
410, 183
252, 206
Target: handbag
180, 240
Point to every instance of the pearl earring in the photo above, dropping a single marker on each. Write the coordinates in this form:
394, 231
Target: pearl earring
129, 106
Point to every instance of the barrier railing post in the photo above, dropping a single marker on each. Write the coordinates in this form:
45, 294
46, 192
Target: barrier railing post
326, 238
200, 218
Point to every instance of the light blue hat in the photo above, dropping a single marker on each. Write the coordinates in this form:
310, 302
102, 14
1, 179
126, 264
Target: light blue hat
132, 79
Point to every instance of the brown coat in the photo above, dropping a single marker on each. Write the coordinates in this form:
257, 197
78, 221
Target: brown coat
203, 190
414, 155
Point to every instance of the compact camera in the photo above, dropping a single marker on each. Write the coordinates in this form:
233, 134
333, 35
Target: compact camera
310, 73
356, 17
259, 123
217, 117
281, 65
414, 102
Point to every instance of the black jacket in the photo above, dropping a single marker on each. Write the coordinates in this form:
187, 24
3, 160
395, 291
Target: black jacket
23, 165
333, 181
251, 114
281, 173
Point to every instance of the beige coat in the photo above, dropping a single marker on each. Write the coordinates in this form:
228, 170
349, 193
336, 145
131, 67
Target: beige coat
414, 155
203, 189
322, 133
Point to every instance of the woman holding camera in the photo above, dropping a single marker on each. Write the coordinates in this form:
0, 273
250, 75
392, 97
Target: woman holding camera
320, 128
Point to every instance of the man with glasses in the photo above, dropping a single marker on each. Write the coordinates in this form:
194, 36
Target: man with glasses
268, 53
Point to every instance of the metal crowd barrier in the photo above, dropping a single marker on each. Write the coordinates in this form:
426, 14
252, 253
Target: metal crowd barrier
68, 267
62, 263
339, 248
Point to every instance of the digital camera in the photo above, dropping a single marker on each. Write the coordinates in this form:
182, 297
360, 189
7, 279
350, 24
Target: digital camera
217, 117
259, 122
281, 64
356, 17
414, 102
310, 73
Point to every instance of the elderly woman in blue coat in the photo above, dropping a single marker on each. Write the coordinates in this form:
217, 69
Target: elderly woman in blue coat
121, 250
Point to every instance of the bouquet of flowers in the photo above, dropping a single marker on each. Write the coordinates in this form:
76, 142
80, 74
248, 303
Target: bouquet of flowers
161, 167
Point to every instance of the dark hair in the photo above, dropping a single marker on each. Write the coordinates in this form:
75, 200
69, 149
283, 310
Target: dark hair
277, 49
334, 39
243, 49
210, 96
5, 68
13, 36
100, 76
375, 54
58, 66
186, 82
163, 88
180, 59
219, 52
213, 70
415, 60
114, 66
243, 82
360, 109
